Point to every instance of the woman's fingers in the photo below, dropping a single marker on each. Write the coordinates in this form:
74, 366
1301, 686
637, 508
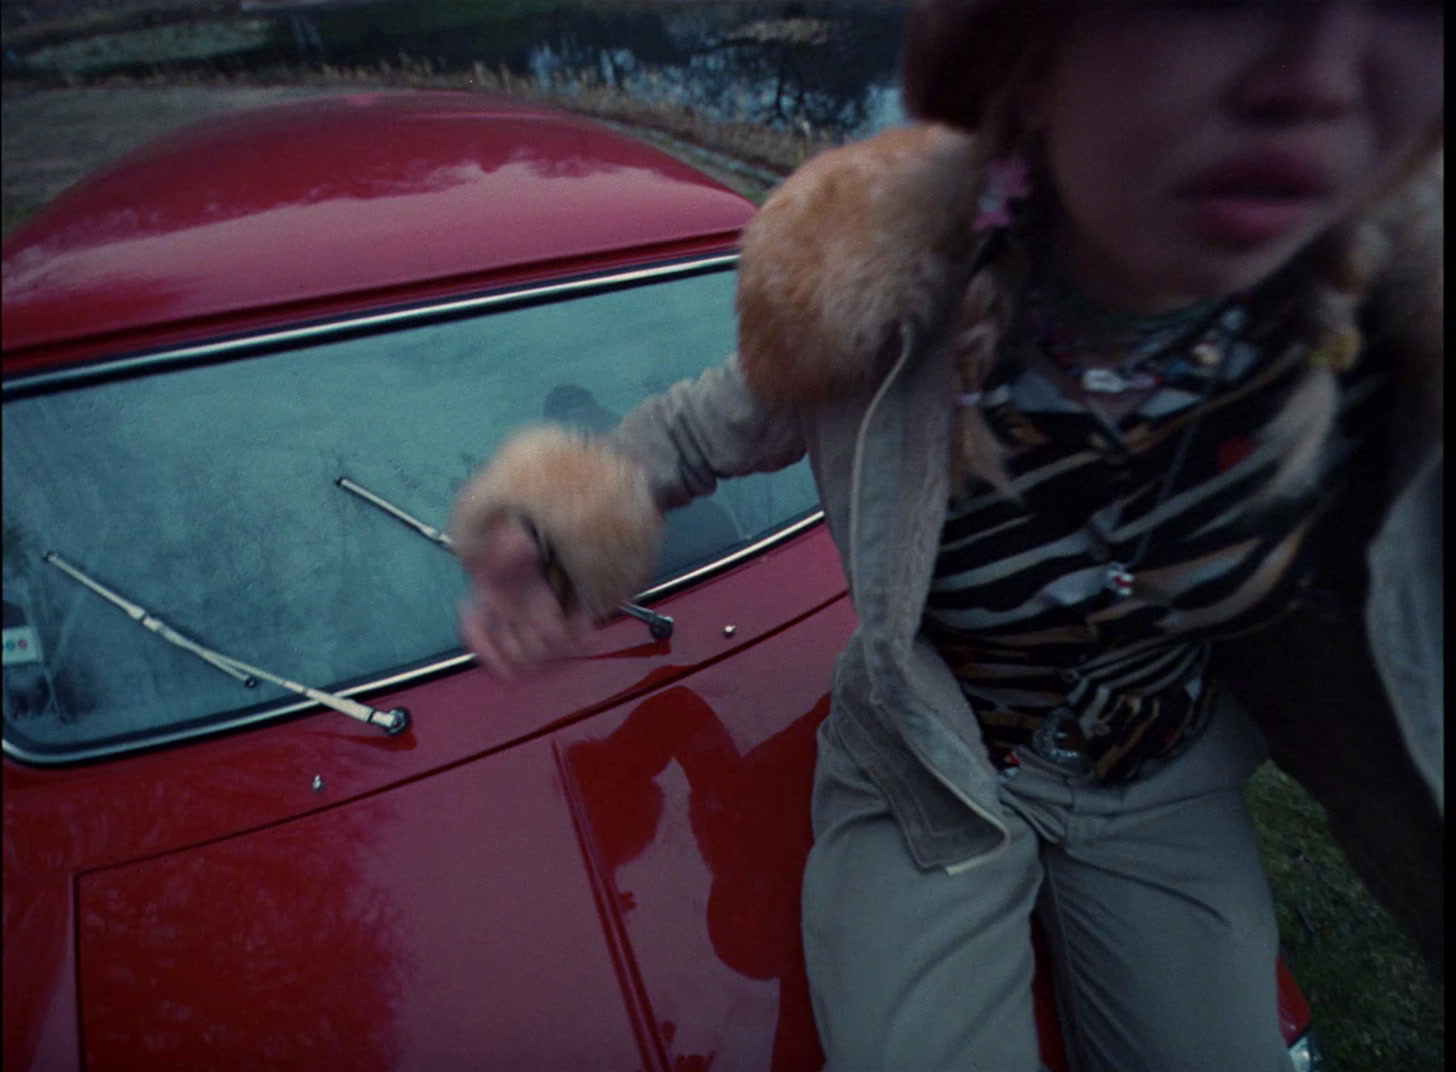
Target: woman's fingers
509, 558
479, 640
514, 617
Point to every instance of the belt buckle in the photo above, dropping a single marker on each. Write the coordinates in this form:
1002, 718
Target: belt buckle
1045, 743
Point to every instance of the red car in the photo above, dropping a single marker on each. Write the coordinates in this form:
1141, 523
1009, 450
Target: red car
260, 811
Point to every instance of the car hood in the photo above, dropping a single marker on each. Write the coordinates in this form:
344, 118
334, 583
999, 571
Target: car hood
594, 868
622, 891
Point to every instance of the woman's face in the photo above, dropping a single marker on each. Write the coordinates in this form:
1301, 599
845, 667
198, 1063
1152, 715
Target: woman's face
1196, 145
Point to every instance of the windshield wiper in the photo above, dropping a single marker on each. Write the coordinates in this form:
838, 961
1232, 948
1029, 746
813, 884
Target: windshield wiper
660, 625
391, 722
430, 533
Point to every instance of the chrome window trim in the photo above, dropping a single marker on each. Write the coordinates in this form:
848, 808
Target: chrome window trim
718, 565
321, 332
30, 383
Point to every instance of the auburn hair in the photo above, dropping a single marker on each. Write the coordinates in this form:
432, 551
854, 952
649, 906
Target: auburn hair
957, 55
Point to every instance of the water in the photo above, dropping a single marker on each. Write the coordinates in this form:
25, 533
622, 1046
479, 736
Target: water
829, 67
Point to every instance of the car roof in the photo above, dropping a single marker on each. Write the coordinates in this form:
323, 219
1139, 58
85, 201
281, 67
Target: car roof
373, 197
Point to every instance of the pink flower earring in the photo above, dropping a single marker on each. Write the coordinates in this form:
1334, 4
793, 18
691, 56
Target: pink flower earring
1006, 181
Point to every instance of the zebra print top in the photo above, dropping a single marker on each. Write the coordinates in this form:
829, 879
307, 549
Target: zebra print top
1023, 607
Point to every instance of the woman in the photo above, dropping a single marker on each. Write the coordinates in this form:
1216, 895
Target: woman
1081, 366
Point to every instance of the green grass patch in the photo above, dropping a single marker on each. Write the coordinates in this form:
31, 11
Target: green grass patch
1377, 1006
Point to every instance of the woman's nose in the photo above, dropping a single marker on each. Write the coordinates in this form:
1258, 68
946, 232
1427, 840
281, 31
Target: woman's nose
1312, 63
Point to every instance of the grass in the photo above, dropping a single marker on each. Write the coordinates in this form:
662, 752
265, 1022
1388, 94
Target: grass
1376, 1004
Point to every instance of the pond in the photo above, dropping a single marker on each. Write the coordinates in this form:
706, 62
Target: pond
826, 66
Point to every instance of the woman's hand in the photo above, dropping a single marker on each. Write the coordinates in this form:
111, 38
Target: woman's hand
514, 617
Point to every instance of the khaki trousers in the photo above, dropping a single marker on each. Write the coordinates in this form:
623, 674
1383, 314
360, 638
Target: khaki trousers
1153, 896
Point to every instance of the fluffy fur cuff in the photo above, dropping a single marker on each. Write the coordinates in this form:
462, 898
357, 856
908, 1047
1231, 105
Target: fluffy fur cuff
592, 507
851, 244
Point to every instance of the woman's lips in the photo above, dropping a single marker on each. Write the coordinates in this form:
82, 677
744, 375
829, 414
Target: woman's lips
1250, 200
1243, 220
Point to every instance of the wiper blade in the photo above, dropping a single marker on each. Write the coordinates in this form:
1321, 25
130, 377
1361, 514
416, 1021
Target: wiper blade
660, 625
431, 533
391, 722
151, 621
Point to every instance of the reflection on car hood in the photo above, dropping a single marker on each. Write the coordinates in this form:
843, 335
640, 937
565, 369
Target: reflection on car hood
345, 195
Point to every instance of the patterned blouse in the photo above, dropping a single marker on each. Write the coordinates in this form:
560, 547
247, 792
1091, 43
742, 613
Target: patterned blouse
1135, 544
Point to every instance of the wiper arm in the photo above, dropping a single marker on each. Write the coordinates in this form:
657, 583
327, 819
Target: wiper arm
431, 533
391, 722
660, 625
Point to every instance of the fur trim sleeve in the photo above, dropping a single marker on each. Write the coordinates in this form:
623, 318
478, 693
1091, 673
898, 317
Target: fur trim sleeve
853, 243
591, 506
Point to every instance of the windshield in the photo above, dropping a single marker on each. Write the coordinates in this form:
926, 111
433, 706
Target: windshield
210, 498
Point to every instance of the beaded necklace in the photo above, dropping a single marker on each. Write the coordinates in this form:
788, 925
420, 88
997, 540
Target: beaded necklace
1147, 351
1191, 342
1188, 344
